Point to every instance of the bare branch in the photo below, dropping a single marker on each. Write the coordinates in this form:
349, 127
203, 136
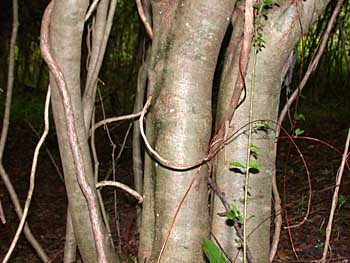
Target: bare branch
121, 186
335, 198
2, 214
143, 19
32, 178
115, 119
91, 9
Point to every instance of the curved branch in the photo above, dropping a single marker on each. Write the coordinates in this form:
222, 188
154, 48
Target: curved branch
32, 179
143, 19
114, 119
160, 159
121, 186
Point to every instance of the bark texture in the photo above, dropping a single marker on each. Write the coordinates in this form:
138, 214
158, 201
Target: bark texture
186, 44
67, 23
281, 32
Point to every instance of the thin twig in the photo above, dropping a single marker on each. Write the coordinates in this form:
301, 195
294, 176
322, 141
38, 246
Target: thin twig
32, 179
121, 186
178, 208
335, 199
221, 248
96, 168
2, 215
47, 151
115, 119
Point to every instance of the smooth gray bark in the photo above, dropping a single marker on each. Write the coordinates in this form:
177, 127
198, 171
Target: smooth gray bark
66, 32
186, 44
136, 135
70, 244
281, 31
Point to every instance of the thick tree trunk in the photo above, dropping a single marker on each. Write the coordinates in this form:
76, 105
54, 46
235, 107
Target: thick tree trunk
187, 40
67, 23
281, 32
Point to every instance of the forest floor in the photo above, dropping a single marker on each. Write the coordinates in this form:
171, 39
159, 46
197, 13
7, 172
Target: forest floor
49, 204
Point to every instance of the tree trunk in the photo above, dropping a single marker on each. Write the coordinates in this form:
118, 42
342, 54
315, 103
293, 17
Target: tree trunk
281, 32
66, 29
186, 44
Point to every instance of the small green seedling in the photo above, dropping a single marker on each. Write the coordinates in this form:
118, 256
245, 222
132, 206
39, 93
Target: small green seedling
298, 132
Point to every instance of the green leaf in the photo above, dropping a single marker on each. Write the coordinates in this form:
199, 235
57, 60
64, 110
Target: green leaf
213, 252
237, 164
230, 215
298, 132
254, 165
263, 124
254, 149
235, 214
299, 116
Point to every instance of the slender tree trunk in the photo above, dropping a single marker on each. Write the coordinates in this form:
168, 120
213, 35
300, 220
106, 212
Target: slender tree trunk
67, 23
281, 30
186, 44
136, 136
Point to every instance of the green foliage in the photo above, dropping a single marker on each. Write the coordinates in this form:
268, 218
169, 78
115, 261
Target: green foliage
258, 38
213, 252
254, 149
234, 214
298, 132
299, 116
251, 165
263, 7
261, 10
262, 125
237, 165
254, 165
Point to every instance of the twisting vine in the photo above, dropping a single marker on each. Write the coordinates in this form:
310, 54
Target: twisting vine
87, 190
